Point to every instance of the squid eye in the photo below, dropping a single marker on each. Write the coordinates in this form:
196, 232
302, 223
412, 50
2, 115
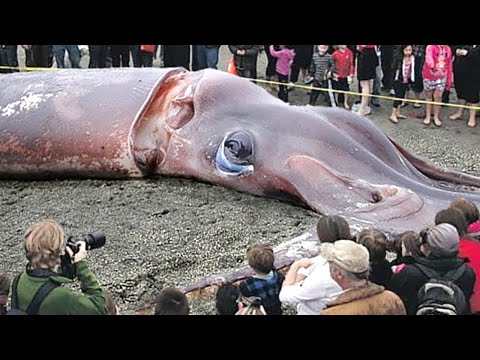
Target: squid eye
239, 148
235, 155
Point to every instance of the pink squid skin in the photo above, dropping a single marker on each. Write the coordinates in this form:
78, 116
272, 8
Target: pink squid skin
123, 123
134, 123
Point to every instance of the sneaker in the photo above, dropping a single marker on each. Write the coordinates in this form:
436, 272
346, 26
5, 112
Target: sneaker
368, 111
308, 80
375, 102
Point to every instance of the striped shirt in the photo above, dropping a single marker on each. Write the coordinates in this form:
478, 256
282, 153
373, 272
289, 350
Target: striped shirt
322, 66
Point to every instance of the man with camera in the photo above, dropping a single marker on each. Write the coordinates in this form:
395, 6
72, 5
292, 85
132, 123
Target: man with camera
39, 290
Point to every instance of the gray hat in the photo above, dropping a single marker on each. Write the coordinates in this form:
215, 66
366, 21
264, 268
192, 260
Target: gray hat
347, 254
443, 240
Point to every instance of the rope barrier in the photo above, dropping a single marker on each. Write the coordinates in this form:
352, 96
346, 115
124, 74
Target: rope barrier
307, 87
369, 95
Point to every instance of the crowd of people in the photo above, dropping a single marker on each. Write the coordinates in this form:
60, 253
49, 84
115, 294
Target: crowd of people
395, 69
434, 272
104, 56
433, 70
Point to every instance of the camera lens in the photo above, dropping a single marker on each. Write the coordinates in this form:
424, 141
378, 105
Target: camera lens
95, 240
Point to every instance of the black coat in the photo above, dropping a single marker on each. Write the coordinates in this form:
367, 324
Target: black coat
247, 61
467, 66
176, 55
408, 281
380, 273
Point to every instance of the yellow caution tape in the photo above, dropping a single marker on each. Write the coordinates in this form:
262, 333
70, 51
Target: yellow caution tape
307, 87
24, 68
369, 95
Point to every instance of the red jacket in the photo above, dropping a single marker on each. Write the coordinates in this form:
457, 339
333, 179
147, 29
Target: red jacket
471, 249
344, 63
361, 47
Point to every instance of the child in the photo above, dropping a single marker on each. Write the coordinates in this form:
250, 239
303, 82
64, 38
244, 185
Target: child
408, 244
437, 77
404, 70
267, 282
172, 301
376, 243
417, 87
285, 58
344, 71
321, 69
227, 300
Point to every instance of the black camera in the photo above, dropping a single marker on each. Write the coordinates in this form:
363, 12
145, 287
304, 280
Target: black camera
94, 240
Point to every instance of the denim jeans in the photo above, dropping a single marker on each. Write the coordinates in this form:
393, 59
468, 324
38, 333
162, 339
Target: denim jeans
377, 82
8, 57
207, 57
73, 55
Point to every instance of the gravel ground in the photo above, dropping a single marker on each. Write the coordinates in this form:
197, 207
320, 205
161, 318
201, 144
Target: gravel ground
170, 232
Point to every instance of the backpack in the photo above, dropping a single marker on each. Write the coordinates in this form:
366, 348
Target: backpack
440, 295
37, 300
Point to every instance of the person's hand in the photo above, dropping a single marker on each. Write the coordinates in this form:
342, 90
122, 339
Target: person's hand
349, 80
304, 263
240, 52
438, 73
335, 77
80, 255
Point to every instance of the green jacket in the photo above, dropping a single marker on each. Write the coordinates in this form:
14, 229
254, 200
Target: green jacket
63, 301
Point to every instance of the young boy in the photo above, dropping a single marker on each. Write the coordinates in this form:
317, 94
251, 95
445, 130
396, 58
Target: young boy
321, 69
344, 72
267, 282
172, 301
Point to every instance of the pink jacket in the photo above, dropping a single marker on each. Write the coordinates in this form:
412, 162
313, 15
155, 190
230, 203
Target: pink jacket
438, 64
285, 58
